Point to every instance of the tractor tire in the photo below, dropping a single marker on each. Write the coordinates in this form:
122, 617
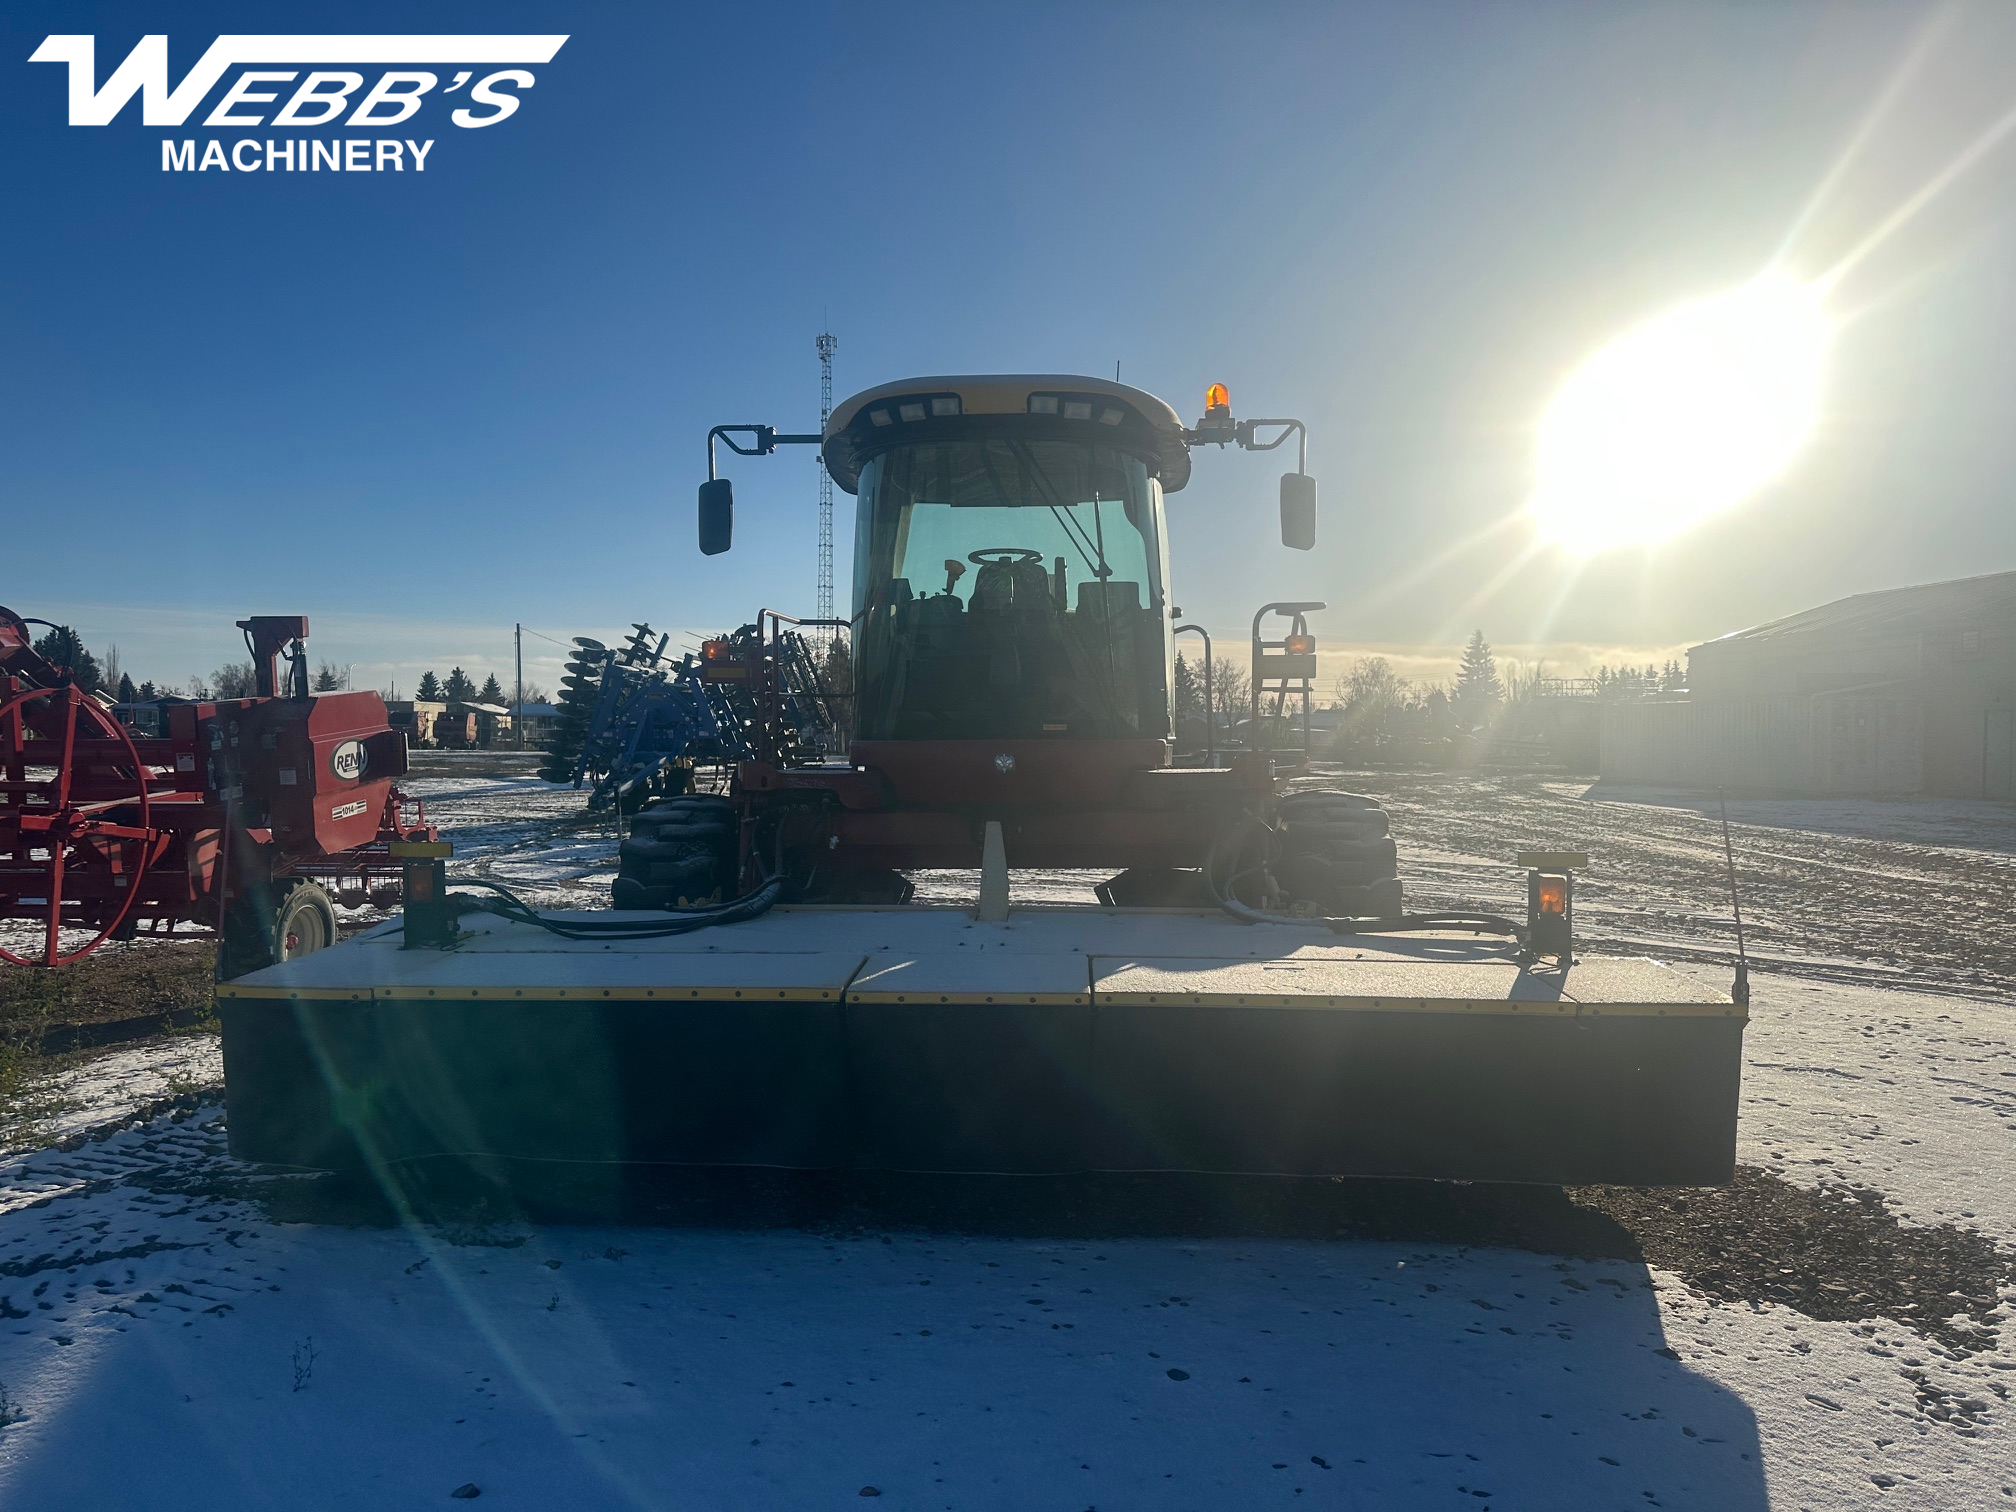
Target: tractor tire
652, 897
1338, 856
629, 893
680, 853
1313, 802
644, 849
1363, 825
681, 831
692, 874
1345, 850
292, 919
1155, 887
1314, 877
691, 808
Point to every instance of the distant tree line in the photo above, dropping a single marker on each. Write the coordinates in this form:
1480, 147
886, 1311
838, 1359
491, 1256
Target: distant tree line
1639, 682
1377, 707
459, 687
102, 674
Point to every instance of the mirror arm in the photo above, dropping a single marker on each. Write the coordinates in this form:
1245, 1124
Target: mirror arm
766, 438
1245, 437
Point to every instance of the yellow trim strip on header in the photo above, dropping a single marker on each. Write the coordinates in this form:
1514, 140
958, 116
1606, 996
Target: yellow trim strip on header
1539, 1009
534, 994
1524, 1008
972, 999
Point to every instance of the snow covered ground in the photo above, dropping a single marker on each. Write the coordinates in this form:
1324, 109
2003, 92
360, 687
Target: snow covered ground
170, 1337
168, 1342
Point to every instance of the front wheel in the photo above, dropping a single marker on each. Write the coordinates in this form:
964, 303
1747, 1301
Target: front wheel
1337, 855
289, 920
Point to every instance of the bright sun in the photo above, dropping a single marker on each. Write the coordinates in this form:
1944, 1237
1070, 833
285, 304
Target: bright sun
1682, 417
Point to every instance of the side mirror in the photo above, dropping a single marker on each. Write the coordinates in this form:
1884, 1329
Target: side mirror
717, 516
1298, 511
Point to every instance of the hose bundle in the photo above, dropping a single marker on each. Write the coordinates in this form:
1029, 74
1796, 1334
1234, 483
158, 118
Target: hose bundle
1235, 841
679, 921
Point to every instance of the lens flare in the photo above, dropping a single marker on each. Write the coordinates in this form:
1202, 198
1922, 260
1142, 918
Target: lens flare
1681, 418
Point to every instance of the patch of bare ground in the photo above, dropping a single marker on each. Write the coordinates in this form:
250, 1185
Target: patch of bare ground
51, 1019
1904, 892
1834, 1253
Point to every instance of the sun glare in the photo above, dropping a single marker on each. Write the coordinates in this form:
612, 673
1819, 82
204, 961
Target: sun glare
1681, 418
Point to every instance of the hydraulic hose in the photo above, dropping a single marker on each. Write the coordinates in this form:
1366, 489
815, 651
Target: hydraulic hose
679, 921
1227, 899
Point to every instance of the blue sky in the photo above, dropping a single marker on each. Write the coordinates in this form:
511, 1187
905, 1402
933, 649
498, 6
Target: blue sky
418, 407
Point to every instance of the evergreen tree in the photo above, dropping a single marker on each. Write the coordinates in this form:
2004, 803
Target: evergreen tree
127, 692
490, 692
1437, 706
429, 690
1478, 690
65, 648
327, 678
148, 692
1189, 690
458, 687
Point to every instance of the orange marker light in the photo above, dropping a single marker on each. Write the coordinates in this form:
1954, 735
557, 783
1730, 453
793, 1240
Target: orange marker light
1218, 397
1300, 645
718, 662
1554, 895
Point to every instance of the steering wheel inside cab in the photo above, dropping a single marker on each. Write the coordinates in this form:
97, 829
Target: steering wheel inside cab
988, 556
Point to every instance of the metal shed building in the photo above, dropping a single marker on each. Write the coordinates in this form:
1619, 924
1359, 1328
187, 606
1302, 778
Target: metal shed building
1898, 691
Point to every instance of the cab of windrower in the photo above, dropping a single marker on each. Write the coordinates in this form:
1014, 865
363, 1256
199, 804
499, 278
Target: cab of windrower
1011, 563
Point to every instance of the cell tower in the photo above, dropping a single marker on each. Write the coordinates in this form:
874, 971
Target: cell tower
826, 344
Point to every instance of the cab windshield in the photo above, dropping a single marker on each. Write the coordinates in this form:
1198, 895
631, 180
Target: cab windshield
1009, 590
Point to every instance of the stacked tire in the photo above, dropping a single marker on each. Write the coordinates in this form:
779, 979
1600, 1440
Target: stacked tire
579, 690
681, 853
1337, 854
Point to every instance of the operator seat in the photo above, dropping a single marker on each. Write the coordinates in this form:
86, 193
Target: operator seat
1106, 633
1012, 622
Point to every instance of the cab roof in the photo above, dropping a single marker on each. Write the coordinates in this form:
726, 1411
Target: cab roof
1146, 425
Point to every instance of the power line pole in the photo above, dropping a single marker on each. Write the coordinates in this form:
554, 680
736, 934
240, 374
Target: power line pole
518, 655
826, 345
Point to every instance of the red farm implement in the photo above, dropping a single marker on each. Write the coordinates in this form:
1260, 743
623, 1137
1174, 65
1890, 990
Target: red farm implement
253, 816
